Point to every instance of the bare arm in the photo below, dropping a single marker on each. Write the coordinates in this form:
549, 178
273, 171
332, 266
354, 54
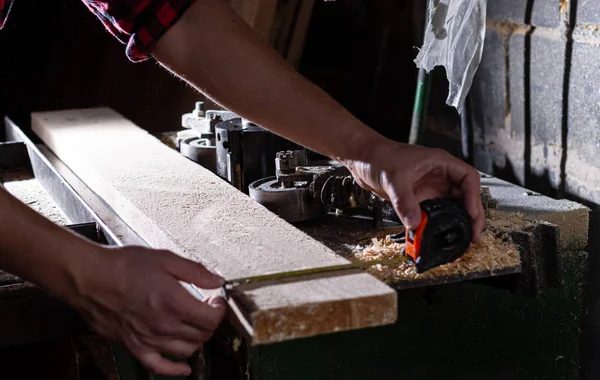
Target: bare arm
214, 50
151, 314
38, 250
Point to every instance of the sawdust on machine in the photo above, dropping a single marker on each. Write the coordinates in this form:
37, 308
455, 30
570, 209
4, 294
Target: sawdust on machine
35, 196
493, 253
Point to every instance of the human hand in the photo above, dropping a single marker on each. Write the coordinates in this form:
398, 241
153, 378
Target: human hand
406, 174
133, 295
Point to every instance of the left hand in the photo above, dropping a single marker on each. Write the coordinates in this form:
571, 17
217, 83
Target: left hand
133, 295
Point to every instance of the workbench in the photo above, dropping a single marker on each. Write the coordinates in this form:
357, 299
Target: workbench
456, 330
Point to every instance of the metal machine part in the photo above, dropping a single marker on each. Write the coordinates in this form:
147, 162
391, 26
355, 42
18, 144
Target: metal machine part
200, 151
288, 194
295, 204
245, 151
200, 145
300, 192
203, 122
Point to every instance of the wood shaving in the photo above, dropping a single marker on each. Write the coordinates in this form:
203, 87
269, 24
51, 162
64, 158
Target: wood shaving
493, 253
506, 222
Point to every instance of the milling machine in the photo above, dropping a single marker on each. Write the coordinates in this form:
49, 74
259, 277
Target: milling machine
321, 198
324, 200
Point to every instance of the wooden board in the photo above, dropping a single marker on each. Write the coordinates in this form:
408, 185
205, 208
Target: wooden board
176, 204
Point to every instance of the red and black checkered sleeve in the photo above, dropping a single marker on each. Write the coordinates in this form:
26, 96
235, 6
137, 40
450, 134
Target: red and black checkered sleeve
4, 10
138, 23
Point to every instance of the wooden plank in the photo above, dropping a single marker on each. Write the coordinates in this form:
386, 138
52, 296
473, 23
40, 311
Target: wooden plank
176, 204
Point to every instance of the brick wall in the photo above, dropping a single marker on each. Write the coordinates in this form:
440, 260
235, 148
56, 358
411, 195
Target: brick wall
536, 96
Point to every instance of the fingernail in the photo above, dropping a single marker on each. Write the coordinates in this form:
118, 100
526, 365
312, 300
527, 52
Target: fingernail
218, 278
410, 220
217, 302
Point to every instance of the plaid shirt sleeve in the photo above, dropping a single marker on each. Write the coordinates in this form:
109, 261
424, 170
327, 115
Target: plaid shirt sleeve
4, 9
138, 23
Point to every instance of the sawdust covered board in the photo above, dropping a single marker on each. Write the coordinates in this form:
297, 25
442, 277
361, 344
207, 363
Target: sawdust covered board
175, 204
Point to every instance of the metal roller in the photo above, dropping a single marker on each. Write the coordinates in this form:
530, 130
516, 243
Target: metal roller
293, 204
200, 151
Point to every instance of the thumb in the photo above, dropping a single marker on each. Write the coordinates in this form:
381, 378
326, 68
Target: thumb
407, 207
218, 302
193, 273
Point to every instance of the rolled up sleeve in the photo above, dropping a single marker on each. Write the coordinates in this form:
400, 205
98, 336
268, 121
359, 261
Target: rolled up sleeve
4, 11
138, 23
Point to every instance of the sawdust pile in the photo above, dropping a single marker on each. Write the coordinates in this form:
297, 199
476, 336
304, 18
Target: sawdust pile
35, 196
494, 252
505, 221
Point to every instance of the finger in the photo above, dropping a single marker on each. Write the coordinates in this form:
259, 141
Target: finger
456, 193
201, 315
162, 366
193, 273
480, 225
433, 185
405, 204
218, 302
180, 348
468, 180
180, 330
477, 224
478, 214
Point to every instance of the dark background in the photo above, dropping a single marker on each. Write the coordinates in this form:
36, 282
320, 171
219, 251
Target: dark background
57, 55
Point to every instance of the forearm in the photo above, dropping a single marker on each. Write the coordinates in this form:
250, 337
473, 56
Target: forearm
214, 50
37, 250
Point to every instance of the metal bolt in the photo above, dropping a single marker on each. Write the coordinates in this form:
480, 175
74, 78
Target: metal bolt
247, 123
284, 161
199, 109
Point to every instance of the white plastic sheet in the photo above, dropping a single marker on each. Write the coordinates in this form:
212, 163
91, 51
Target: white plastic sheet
454, 38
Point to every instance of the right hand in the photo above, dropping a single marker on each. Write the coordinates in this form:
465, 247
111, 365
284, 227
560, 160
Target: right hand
132, 295
406, 175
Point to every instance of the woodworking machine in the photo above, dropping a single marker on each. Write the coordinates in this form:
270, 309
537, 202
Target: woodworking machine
230, 146
321, 197
295, 183
301, 192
